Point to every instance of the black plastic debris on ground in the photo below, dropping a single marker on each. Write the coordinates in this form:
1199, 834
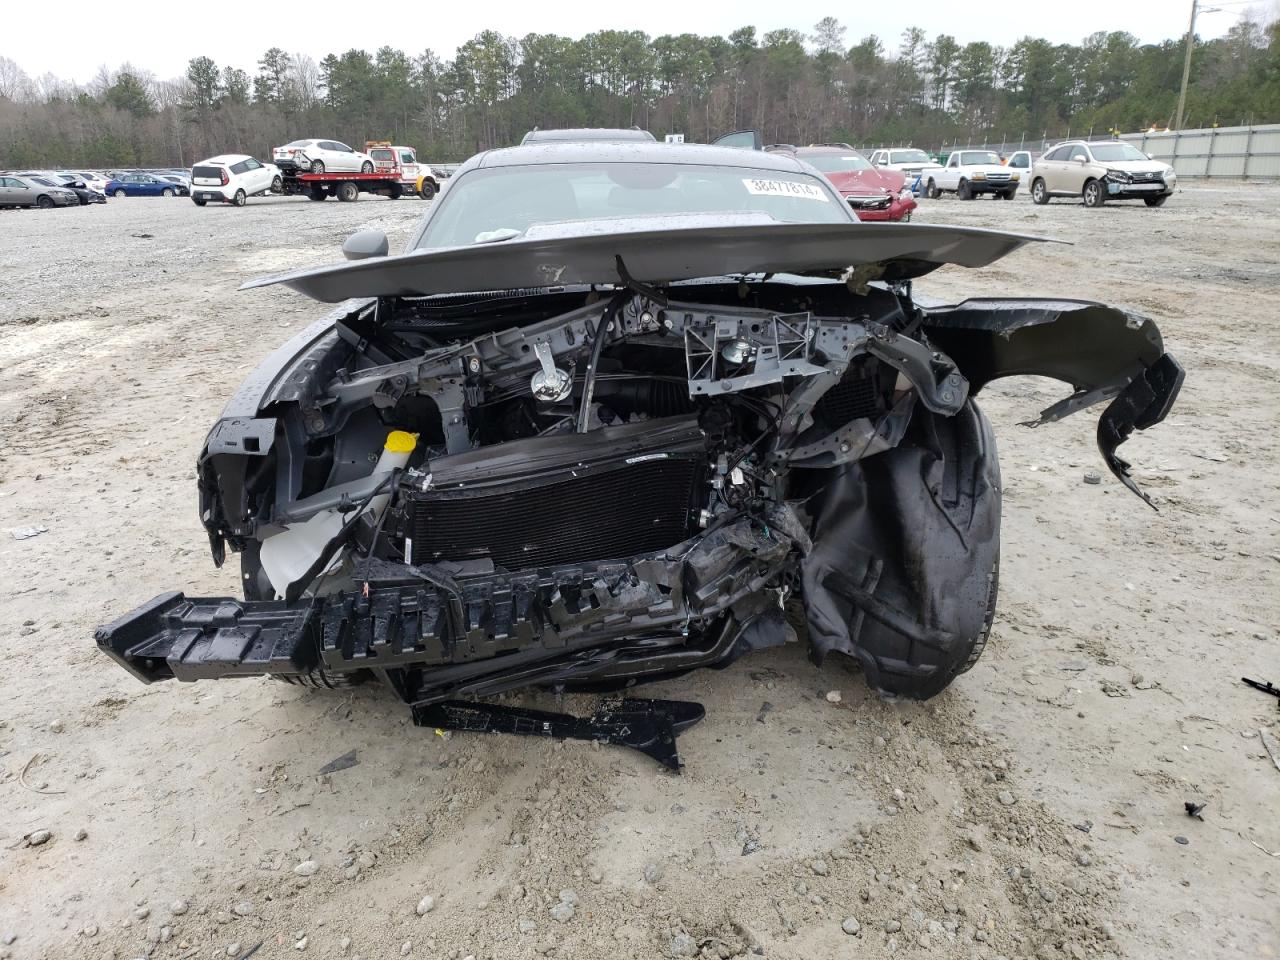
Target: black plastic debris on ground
1267, 687
650, 726
1194, 809
344, 762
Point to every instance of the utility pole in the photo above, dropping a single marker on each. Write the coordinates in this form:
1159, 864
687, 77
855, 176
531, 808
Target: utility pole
1186, 65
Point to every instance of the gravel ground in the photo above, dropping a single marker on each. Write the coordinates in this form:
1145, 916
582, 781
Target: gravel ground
1035, 809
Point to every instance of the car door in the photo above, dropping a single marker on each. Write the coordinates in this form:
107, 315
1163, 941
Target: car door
408, 166
343, 157
1047, 169
253, 176
741, 140
1074, 170
9, 190
949, 177
1020, 163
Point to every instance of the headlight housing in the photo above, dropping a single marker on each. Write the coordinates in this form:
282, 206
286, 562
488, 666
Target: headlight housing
979, 175
1119, 176
1014, 177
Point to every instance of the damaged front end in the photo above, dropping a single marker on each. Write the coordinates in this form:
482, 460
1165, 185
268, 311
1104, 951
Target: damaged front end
627, 476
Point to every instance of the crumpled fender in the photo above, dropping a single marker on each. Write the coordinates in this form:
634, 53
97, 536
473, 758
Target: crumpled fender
1104, 353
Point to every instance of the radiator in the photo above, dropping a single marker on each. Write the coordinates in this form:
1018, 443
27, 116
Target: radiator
606, 495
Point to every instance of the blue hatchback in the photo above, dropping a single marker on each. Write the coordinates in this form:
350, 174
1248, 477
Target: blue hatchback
143, 185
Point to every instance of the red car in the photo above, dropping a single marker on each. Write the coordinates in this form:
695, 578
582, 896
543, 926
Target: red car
873, 193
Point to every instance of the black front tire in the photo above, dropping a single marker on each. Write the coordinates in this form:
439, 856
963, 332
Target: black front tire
428, 190
240, 198
317, 193
1094, 194
44, 203
963, 191
167, 192
317, 166
199, 203
904, 571
348, 192
1039, 192
366, 167
277, 185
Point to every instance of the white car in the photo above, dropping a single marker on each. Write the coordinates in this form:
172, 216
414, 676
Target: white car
971, 173
912, 162
232, 178
321, 156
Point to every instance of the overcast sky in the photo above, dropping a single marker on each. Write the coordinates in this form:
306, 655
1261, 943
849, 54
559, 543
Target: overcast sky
161, 38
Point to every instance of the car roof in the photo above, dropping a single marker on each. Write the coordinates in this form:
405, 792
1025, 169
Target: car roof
589, 134
824, 151
637, 152
225, 158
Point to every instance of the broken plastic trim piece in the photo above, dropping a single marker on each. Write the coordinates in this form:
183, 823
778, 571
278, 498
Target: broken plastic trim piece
1142, 404
650, 726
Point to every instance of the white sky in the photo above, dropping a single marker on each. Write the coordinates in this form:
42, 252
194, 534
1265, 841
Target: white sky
163, 38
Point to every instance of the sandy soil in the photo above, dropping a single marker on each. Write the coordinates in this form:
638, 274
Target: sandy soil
1034, 809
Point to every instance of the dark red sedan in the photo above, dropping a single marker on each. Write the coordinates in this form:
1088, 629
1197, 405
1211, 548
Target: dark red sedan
872, 192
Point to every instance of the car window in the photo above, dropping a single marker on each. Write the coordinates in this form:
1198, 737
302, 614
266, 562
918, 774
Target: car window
1079, 153
975, 157
299, 143
909, 156
252, 164
1019, 160
838, 163
342, 147
953, 160
406, 156
501, 203
744, 140
326, 145
1113, 152
240, 167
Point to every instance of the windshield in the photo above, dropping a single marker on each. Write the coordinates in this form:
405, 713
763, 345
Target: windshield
501, 203
45, 181
298, 143
972, 157
1112, 152
909, 156
838, 163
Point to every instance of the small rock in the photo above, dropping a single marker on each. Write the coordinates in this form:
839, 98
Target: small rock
1083, 859
850, 926
819, 867
55, 726
879, 743
683, 945
82, 834
1048, 895
307, 868
528, 926
8, 938
595, 876
91, 930
570, 897
242, 909
892, 926
179, 907
1181, 839
425, 905
406, 948
1006, 798
345, 944
1092, 476
562, 912
233, 950
37, 837
653, 872
166, 934
142, 913
833, 696
301, 944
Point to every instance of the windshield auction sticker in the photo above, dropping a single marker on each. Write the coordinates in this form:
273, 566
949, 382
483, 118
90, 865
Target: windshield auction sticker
785, 188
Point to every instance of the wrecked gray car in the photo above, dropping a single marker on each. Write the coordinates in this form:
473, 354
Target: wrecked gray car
614, 409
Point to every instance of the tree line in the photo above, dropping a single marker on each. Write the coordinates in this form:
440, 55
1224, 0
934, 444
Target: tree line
795, 87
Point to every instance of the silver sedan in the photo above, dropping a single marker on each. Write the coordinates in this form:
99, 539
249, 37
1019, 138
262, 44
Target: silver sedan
34, 192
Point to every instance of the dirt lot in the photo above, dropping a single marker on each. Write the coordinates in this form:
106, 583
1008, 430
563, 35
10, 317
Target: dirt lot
1035, 809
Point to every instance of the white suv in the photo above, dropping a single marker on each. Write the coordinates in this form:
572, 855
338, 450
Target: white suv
970, 173
232, 178
321, 156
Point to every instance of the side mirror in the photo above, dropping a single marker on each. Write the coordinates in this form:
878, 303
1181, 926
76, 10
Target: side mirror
1151, 156
366, 244
1078, 159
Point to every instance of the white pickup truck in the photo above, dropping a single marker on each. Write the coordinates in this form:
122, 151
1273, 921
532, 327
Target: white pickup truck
968, 173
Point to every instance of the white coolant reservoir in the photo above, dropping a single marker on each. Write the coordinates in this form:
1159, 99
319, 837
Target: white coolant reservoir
289, 555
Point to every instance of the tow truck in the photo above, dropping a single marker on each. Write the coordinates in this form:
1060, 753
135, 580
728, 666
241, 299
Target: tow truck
396, 173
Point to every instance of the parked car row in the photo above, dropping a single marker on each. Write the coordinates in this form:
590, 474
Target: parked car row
1093, 171
46, 190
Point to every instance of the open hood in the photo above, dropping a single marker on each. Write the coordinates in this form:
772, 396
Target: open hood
655, 249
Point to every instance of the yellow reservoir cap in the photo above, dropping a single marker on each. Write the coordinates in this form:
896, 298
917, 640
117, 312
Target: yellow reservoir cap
398, 441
